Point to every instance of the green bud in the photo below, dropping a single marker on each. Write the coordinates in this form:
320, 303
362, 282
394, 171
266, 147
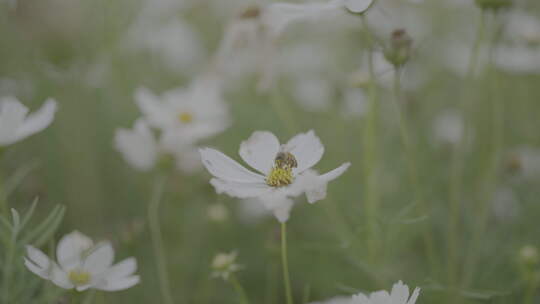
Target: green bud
399, 50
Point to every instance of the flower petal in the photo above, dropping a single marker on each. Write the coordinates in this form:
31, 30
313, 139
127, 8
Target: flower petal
414, 296
119, 284
227, 169
307, 149
154, 110
12, 114
71, 248
100, 259
37, 262
240, 190
331, 175
399, 293
260, 150
280, 206
122, 269
138, 146
38, 120
358, 6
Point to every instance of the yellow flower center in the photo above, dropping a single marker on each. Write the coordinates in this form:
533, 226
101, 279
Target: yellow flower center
281, 174
79, 277
185, 117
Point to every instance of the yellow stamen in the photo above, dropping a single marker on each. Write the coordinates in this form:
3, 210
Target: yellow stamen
185, 117
279, 177
79, 277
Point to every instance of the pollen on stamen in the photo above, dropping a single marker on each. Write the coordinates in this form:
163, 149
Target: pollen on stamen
281, 174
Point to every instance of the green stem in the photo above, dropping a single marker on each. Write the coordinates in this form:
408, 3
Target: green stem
240, 291
89, 298
8, 264
456, 170
370, 153
157, 241
412, 165
285, 263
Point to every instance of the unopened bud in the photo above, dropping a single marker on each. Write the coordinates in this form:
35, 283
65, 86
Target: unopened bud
529, 256
493, 4
251, 13
399, 49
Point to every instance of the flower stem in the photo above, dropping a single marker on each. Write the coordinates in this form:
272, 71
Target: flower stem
157, 241
285, 263
412, 165
239, 289
370, 153
89, 298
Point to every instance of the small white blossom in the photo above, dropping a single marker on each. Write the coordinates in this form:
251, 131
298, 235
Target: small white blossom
224, 264
398, 295
138, 145
284, 171
16, 124
186, 114
448, 128
83, 265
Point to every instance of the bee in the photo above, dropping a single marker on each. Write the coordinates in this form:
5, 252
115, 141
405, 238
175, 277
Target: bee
285, 160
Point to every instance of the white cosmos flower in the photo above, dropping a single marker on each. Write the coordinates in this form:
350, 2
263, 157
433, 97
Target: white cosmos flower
83, 265
186, 114
398, 295
284, 171
16, 124
142, 150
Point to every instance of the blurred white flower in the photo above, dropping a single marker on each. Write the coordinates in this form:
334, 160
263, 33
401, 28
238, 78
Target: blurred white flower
448, 128
16, 124
525, 161
217, 212
224, 264
175, 43
398, 295
186, 115
355, 103
138, 145
313, 93
285, 171
83, 265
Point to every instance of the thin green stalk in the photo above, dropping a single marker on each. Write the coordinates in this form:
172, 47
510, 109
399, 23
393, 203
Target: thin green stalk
157, 241
370, 153
530, 291
412, 166
456, 170
89, 298
240, 291
8, 265
285, 263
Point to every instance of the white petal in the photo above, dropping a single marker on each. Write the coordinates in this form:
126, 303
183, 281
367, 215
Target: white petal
281, 207
119, 284
360, 299
100, 259
155, 111
12, 114
138, 146
122, 269
38, 120
260, 150
307, 149
414, 296
330, 176
358, 6
399, 293
37, 262
227, 169
380, 297
71, 248
240, 190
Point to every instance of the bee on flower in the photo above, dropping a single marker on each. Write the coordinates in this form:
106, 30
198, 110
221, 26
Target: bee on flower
83, 265
284, 171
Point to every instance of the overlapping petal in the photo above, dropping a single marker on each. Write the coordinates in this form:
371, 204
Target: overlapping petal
260, 150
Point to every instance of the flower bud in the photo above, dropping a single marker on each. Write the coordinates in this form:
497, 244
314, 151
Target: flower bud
493, 4
399, 50
529, 256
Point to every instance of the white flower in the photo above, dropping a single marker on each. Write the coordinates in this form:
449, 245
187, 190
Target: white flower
16, 125
284, 171
186, 114
448, 127
336, 300
139, 146
398, 295
83, 265
142, 150
224, 264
